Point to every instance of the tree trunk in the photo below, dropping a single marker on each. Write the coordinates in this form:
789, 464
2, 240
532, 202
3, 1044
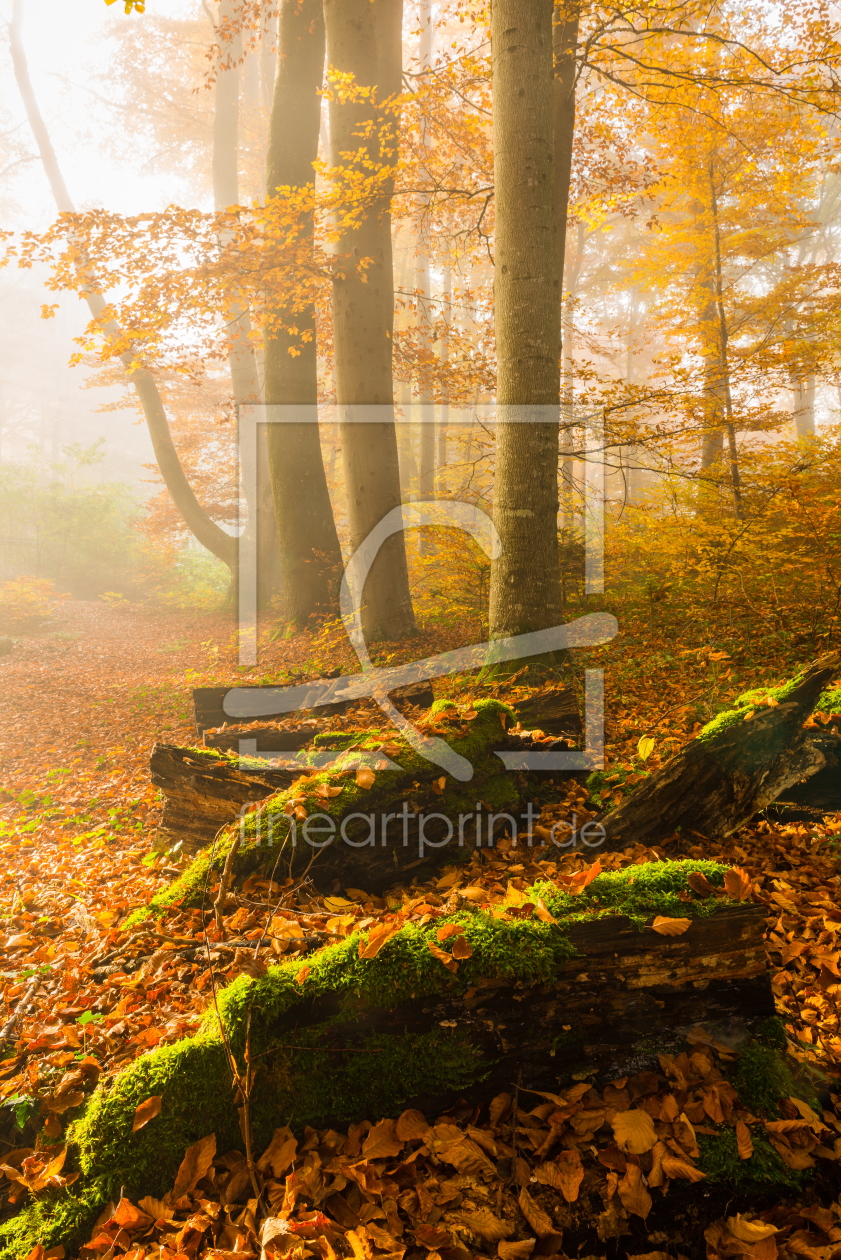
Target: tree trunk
364, 40
205, 530
423, 287
803, 393
245, 377
720, 780
310, 554
525, 580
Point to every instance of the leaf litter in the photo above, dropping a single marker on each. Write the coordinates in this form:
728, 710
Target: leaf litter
84, 997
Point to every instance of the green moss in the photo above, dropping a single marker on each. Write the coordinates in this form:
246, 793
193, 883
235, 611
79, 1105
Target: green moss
269, 826
764, 1171
828, 701
762, 1078
640, 892
319, 1063
615, 779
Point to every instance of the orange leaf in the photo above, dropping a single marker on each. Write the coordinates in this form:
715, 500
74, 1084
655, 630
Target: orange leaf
581, 879
671, 927
443, 957
448, 930
462, 948
743, 1140
634, 1131
365, 777
737, 883
146, 1111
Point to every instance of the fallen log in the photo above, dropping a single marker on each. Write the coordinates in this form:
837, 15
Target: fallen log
209, 712
203, 792
738, 765
472, 1002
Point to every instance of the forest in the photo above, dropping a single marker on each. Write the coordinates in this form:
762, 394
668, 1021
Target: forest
420, 628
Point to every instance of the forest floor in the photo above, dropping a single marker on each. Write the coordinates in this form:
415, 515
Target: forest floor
84, 699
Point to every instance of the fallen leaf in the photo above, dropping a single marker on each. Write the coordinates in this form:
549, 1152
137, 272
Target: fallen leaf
382, 1142
377, 937
449, 929
365, 777
634, 1131
699, 883
671, 927
516, 1250
645, 747
147, 1111
749, 1231
632, 1192
196, 1162
487, 1226
743, 1140
443, 957
412, 1126
462, 948
737, 884
571, 1173
534, 1214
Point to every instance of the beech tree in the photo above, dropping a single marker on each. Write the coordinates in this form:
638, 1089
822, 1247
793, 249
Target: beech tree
364, 40
309, 546
525, 589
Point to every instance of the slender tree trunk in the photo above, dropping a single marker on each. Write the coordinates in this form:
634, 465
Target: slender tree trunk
208, 533
423, 287
242, 360
803, 393
444, 413
525, 580
566, 20
309, 546
573, 277
364, 40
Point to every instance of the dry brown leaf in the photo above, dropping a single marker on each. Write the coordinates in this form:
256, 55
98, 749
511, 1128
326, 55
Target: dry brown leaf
146, 1111
443, 957
377, 937
499, 1107
749, 1231
516, 1250
673, 1166
462, 948
487, 1226
743, 1140
449, 1143
326, 791
737, 884
196, 1162
449, 929
634, 1131
280, 1153
543, 914
699, 883
633, 1193
365, 777
412, 1126
571, 1172
534, 1214
671, 927
382, 1142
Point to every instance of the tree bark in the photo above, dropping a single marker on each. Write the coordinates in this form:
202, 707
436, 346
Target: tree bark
423, 288
364, 40
245, 377
310, 554
525, 580
208, 533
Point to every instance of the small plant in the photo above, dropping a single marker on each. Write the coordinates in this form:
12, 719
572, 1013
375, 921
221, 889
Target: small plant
25, 602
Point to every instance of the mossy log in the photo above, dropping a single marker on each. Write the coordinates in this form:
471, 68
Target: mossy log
406, 818
209, 711
593, 992
203, 792
738, 765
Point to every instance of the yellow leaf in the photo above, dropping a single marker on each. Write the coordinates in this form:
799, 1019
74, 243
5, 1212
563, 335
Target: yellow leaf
337, 904
671, 927
634, 1131
749, 1231
645, 747
543, 914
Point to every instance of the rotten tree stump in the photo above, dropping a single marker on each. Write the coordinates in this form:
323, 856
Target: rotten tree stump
720, 780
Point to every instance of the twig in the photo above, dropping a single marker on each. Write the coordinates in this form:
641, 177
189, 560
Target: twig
246, 1109
224, 882
21, 1009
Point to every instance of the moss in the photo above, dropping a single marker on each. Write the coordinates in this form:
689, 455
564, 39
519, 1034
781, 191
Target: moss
762, 1078
58, 1219
640, 892
615, 779
269, 826
319, 1062
764, 1171
829, 701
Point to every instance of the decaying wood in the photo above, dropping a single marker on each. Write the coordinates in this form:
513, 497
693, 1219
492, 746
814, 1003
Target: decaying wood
715, 785
209, 712
627, 994
203, 793
553, 712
